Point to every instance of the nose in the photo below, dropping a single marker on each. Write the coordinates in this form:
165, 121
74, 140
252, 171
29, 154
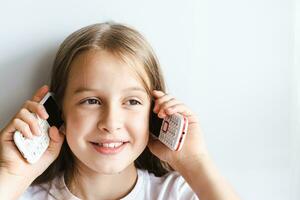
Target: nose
110, 120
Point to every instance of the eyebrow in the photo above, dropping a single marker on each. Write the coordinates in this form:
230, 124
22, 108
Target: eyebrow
85, 89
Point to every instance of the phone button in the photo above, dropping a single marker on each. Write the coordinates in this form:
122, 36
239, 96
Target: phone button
165, 126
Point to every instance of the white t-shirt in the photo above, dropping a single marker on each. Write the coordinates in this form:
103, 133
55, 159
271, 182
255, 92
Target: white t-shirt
148, 187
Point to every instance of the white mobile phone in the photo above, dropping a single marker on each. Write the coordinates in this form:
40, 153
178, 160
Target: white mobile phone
33, 149
170, 131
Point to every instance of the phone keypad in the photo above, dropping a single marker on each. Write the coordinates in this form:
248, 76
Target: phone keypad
171, 125
32, 149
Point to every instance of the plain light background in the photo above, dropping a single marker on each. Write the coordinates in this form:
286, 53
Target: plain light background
235, 63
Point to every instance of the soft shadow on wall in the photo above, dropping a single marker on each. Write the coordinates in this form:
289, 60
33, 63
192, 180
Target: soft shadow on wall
34, 68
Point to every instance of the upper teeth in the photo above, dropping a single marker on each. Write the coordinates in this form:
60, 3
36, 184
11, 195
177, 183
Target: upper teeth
111, 145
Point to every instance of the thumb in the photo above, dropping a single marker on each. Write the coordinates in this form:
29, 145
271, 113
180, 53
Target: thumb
56, 141
156, 147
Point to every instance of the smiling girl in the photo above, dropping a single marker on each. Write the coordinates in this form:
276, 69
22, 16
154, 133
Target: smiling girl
105, 77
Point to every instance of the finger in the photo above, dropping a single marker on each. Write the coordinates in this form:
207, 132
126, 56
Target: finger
169, 111
56, 141
184, 110
164, 108
161, 100
38, 96
10, 128
30, 120
158, 93
22, 127
156, 147
37, 108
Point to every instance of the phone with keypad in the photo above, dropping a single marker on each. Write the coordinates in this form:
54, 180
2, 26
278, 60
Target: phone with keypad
33, 149
171, 130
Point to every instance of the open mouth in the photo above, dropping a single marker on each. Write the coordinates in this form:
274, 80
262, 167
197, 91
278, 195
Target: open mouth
109, 147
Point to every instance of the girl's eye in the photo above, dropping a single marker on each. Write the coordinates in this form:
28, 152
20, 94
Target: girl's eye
134, 102
91, 101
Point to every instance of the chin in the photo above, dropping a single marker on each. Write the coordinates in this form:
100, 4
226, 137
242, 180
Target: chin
110, 169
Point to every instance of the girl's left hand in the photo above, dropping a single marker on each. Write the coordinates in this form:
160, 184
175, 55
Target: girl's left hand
193, 147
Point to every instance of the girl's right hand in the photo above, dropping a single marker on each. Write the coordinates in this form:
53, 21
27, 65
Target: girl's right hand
11, 160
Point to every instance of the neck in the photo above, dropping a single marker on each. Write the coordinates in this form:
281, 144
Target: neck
91, 185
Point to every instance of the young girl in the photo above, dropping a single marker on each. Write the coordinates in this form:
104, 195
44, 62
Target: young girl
105, 77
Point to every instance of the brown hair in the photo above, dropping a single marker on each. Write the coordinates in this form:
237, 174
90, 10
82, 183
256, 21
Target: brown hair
128, 45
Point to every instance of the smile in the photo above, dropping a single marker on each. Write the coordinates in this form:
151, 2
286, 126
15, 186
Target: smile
109, 145
108, 148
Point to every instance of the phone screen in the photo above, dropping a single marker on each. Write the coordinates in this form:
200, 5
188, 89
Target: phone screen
154, 122
53, 112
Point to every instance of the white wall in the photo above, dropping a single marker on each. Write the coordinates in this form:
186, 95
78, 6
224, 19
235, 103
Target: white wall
296, 105
233, 62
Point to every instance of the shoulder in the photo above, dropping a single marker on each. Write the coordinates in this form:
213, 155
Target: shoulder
37, 192
170, 186
51, 190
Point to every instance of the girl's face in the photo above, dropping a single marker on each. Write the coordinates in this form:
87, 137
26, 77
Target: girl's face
106, 112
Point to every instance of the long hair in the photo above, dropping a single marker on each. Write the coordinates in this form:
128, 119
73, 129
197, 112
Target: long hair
128, 45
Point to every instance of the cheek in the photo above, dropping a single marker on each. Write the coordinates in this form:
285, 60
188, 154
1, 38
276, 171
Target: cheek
78, 127
78, 124
139, 128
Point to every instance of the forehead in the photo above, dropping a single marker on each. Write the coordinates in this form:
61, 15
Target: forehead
101, 69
